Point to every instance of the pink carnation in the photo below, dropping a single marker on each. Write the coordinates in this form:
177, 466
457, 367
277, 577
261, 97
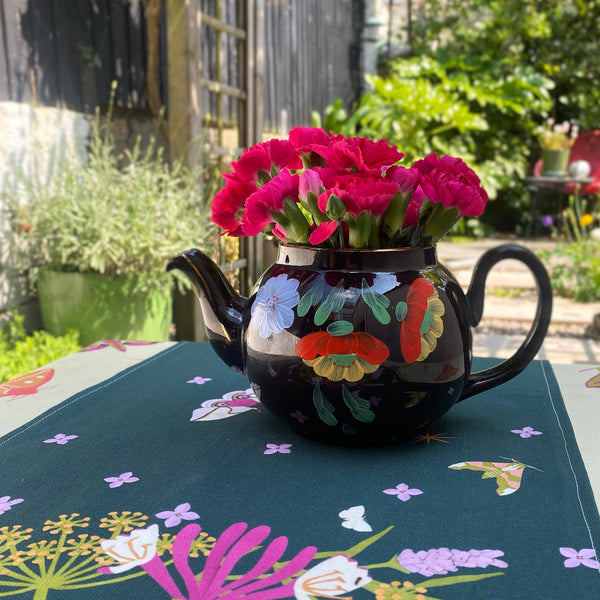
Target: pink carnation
228, 204
361, 154
267, 198
450, 181
306, 138
261, 157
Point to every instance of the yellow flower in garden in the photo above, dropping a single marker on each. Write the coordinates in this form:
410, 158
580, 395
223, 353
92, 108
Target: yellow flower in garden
586, 220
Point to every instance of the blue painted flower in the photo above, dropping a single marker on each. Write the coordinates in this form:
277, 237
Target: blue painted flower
272, 309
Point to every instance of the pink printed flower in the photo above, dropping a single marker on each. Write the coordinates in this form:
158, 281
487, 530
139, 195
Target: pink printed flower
526, 432
452, 183
275, 448
174, 517
60, 438
121, 479
264, 581
585, 557
403, 492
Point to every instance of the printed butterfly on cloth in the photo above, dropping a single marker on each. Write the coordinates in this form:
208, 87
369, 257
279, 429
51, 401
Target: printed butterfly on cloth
353, 518
27, 384
507, 475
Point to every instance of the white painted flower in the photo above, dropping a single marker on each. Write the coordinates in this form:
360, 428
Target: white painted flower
332, 577
132, 550
272, 309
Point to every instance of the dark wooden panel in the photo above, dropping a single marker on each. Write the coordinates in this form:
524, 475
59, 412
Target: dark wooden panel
103, 55
137, 53
4, 64
120, 49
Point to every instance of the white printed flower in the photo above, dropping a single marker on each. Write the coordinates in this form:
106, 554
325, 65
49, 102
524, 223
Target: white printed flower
332, 577
132, 550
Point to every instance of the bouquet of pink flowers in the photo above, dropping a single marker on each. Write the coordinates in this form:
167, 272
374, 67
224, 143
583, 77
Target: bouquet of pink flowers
330, 191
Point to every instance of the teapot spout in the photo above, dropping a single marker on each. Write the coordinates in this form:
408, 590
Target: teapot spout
222, 307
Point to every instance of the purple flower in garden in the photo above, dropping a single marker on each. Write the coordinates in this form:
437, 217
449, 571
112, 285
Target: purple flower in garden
526, 432
263, 581
121, 479
440, 561
199, 380
275, 448
403, 492
60, 438
585, 557
174, 517
547, 221
6, 503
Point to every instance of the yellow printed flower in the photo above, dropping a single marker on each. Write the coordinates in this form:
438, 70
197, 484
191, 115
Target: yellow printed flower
586, 220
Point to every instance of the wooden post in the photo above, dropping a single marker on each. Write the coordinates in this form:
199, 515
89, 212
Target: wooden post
183, 67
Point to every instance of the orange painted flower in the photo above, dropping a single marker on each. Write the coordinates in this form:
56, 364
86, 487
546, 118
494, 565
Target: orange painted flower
422, 325
342, 353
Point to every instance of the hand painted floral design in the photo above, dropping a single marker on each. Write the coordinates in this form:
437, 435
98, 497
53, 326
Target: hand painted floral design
6, 503
585, 557
61, 439
278, 448
272, 310
333, 577
403, 492
121, 479
342, 353
233, 544
182, 512
422, 323
440, 561
229, 405
199, 380
526, 432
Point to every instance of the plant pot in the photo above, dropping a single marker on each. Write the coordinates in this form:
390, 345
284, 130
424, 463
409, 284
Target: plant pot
554, 162
101, 308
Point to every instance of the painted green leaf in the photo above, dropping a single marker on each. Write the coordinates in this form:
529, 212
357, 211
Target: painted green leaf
360, 408
333, 303
427, 321
312, 297
324, 408
377, 302
401, 310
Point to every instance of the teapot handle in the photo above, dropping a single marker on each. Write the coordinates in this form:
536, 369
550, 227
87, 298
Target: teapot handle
488, 378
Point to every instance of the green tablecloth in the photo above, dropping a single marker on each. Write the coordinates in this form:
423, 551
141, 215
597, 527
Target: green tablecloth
170, 480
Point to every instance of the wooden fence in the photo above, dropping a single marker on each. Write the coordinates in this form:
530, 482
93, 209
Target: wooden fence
67, 52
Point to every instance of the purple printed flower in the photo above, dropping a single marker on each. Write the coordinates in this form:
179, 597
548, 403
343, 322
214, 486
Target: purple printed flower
199, 380
403, 492
299, 416
440, 561
174, 517
6, 503
585, 557
121, 479
526, 432
60, 438
281, 448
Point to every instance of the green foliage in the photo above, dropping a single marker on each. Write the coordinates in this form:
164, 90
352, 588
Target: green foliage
116, 214
575, 270
555, 38
425, 106
21, 353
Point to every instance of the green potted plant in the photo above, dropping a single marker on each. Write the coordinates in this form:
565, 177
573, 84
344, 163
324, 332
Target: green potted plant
98, 235
555, 141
